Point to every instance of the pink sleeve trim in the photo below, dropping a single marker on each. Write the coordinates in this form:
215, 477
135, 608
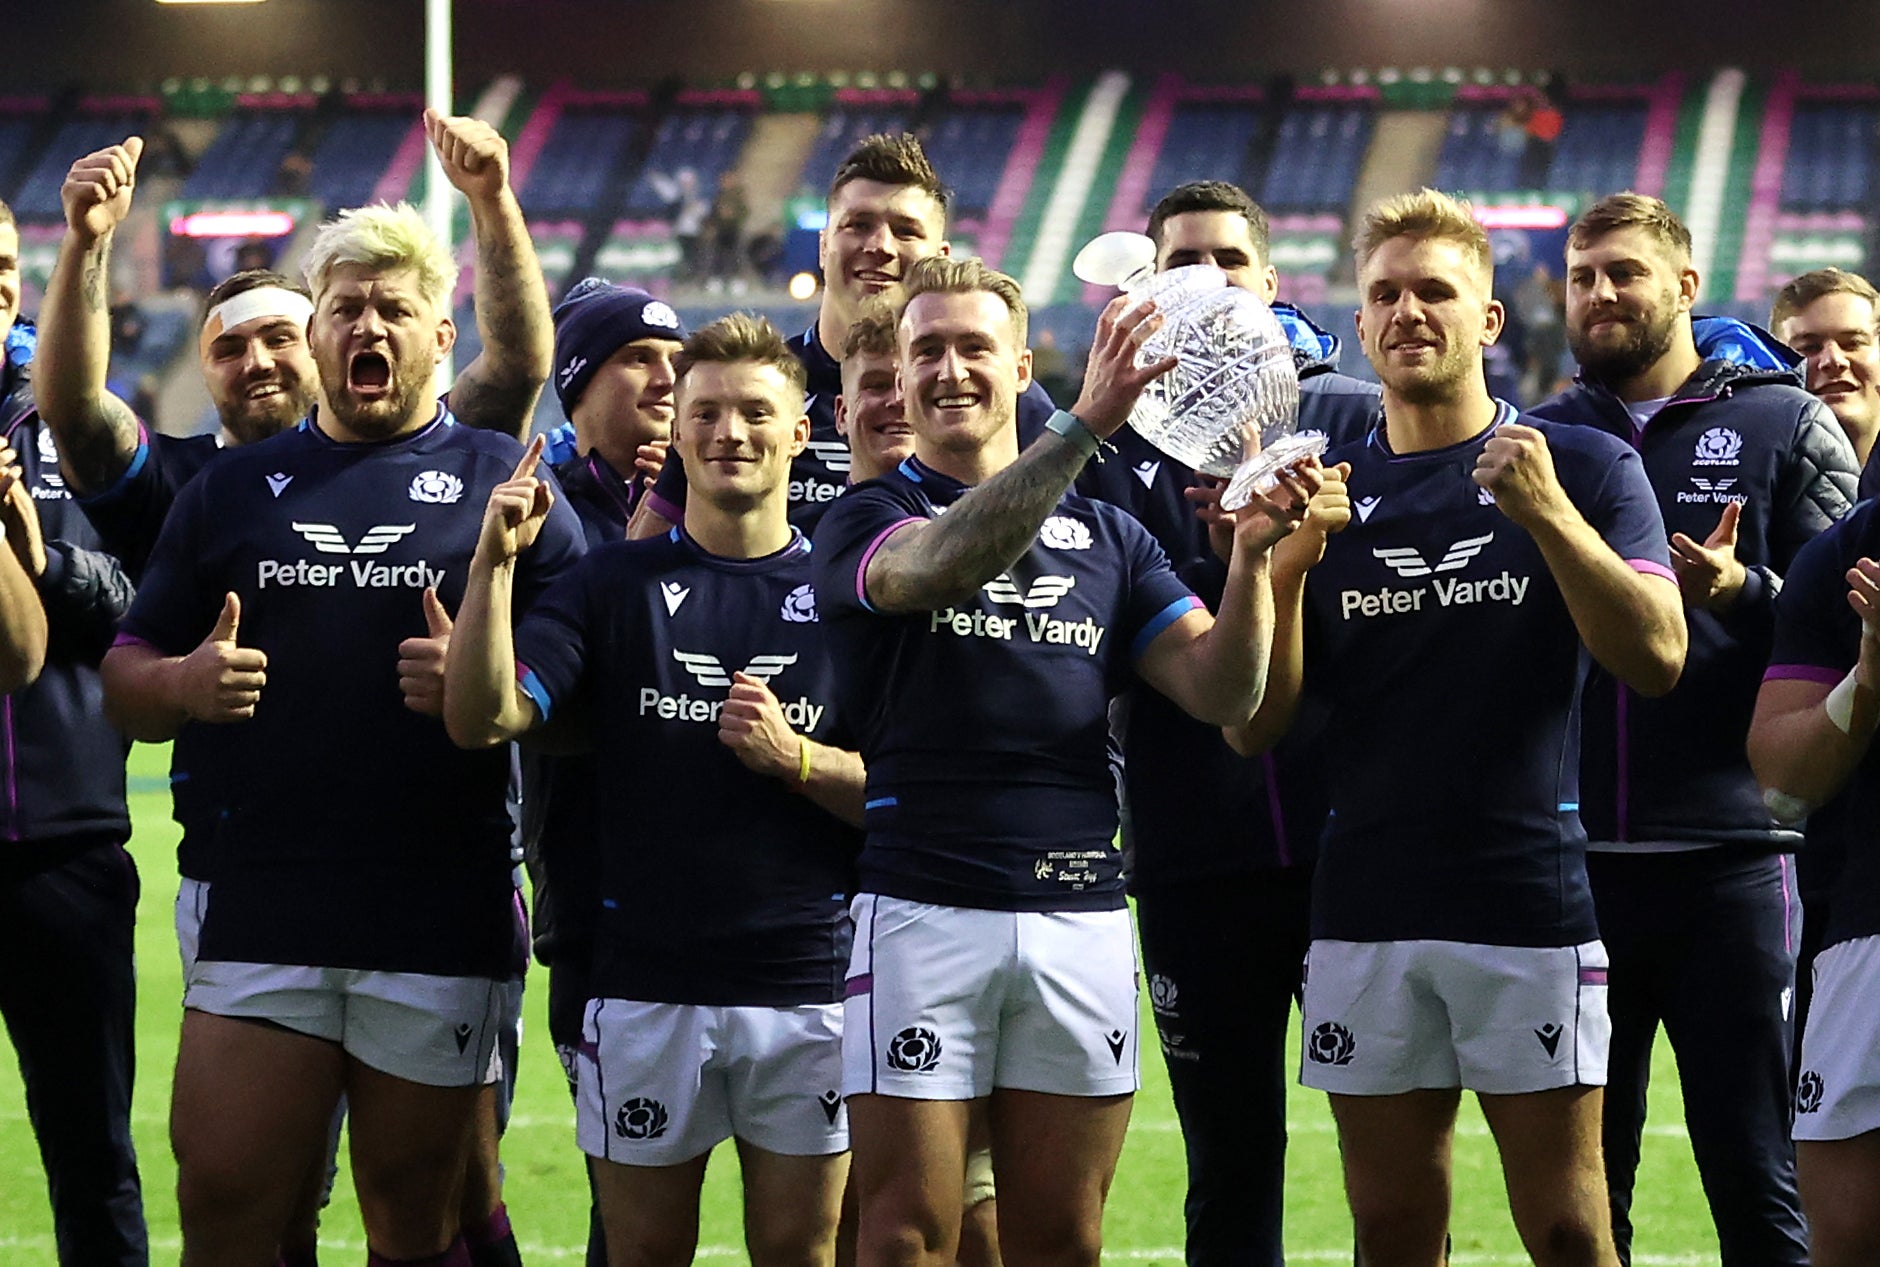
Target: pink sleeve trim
1652, 568
861, 570
132, 640
1804, 673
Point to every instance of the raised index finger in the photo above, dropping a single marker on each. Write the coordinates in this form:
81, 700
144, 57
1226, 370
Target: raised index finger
525, 469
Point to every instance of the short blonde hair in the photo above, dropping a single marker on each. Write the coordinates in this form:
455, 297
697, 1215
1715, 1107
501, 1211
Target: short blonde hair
1821, 283
964, 275
383, 237
1427, 213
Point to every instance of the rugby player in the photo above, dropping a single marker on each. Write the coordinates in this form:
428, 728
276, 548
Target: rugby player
614, 350
360, 932
253, 344
979, 648
1221, 861
260, 375
887, 208
1812, 740
719, 926
1692, 877
68, 888
1831, 319
1453, 939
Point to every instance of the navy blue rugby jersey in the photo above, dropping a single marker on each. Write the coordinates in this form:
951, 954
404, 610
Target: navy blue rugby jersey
1817, 638
129, 514
984, 726
726, 887
347, 830
1452, 671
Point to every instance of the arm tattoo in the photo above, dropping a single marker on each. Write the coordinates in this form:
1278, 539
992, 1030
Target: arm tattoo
986, 531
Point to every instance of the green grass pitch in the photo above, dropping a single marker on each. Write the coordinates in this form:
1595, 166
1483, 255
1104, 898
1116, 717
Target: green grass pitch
547, 1198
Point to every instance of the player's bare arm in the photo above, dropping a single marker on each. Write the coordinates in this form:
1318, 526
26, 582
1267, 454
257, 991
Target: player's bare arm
1327, 513
22, 615
1633, 623
497, 390
150, 696
1215, 667
483, 706
942, 562
96, 432
1808, 737
752, 725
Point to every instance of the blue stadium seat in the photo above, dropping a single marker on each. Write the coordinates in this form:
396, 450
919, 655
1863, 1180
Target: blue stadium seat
574, 170
245, 158
39, 193
352, 157
969, 146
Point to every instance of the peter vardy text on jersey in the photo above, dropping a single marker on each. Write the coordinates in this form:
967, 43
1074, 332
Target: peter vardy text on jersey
1085, 633
802, 713
365, 576
1385, 601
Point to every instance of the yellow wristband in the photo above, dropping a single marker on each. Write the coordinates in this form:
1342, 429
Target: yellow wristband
802, 759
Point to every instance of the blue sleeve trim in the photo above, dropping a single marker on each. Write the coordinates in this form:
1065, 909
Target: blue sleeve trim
533, 688
131, 472
881, 802
1162, 620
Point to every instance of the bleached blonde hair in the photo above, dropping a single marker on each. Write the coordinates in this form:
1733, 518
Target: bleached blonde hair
383, 237
1427, 213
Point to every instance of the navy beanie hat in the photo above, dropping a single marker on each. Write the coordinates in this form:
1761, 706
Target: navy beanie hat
594, 320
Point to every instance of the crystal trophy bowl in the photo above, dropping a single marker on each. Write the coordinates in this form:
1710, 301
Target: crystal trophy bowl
1234, 374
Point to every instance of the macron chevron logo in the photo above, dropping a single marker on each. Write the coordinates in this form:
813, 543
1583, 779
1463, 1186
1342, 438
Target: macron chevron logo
329, 540
674, 594
1407, 563
1044, 592
710, 670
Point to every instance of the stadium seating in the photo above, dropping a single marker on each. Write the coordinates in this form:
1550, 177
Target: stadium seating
352, 156
94, 125
244, 160
1318, 148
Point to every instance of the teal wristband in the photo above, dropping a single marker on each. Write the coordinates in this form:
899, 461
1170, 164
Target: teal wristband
1072, 428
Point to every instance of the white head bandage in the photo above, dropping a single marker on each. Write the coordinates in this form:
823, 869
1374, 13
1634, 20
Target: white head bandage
262, 301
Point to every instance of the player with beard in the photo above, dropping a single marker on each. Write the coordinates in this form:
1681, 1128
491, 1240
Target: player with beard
1691, 873
253, 344
887, 208
68, 887
260, 375
981, 616
1831, 319
1221, 845
1453, 939
360, 934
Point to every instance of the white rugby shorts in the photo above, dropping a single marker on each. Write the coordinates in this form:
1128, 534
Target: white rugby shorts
658, 1084
946, 1002
1837, 1094
1382, 1018
439, 1031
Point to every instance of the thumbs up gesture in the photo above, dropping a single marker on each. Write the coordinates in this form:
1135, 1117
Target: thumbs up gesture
421, 660
1710, 575
97, 191
222, 680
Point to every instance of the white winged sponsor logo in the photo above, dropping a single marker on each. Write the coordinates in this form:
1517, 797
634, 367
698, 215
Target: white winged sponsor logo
1712, 486
710, 670
1406, 562
833, 454
329, 540
1044, 592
